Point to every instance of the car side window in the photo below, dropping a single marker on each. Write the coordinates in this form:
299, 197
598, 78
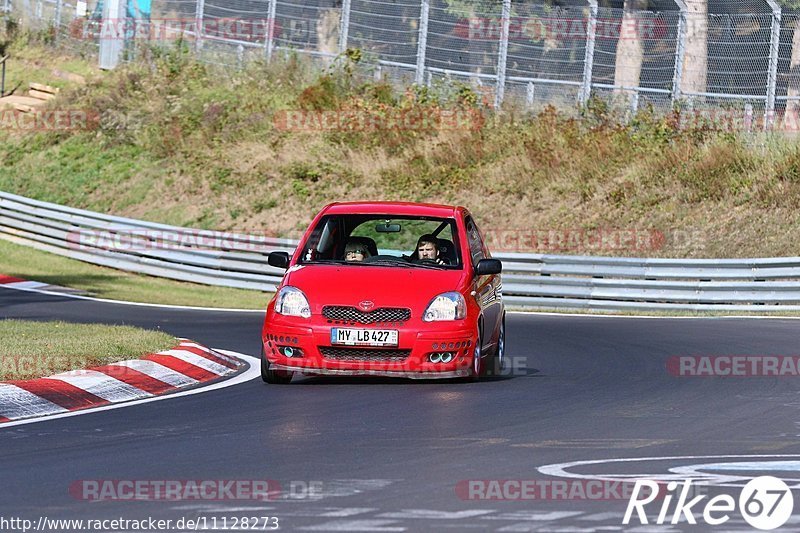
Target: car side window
474, 240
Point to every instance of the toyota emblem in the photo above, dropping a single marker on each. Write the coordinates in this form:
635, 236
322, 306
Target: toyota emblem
366, 305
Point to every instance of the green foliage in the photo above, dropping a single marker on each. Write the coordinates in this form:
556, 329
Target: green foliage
322, 96
262, 204
302, 172
354, 54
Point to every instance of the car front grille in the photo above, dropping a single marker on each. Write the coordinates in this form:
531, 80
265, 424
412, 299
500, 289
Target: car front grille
338, 353
379, 315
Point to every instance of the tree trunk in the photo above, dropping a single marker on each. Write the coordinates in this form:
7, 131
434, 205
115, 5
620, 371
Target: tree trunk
630, 48
793, 90
328, 31
695, 63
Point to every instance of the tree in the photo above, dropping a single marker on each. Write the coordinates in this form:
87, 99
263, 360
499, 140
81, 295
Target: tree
630, 47
793, 88
695, 62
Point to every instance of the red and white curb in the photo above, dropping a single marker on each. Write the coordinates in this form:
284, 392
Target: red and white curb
187, 365
23, 284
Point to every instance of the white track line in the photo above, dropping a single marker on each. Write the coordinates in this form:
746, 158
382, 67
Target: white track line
139, 304
251, 373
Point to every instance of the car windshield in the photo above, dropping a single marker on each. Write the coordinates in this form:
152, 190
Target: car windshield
384, 240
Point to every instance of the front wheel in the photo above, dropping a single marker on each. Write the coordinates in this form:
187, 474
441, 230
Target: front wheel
273, 377
494, 366
478, 369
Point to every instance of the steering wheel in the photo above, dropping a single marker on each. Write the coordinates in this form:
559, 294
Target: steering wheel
427, 262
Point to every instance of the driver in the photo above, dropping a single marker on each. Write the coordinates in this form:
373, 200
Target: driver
428, 250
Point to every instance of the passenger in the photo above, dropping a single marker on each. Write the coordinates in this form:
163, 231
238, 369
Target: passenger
355, 252
428, 250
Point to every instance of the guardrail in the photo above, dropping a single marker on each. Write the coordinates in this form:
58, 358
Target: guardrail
529, 280
153, 249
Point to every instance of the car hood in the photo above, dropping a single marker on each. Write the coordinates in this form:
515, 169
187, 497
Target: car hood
383, 286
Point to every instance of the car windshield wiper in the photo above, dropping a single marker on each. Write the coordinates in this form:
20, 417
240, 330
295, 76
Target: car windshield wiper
404, 264
387, 262
325, 262
426, 265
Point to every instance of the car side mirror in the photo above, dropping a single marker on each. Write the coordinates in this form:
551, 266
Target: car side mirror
486, 267
278, 259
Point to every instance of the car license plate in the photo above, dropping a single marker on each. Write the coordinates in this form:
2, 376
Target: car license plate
364, 337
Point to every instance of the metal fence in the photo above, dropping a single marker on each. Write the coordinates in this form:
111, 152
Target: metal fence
529, 280
694, 53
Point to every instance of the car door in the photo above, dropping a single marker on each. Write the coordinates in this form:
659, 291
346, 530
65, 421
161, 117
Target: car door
487, 288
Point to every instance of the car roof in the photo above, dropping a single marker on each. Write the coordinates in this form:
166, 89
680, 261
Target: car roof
392, 208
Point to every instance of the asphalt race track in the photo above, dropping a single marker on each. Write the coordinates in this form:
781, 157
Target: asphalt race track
387, 455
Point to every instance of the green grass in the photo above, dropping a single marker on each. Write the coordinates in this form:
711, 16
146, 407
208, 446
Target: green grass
36, 349
27, 263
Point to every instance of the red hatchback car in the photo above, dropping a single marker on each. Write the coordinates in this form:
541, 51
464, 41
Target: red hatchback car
388, 289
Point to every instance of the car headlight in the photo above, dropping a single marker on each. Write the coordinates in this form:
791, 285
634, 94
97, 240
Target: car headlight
292, 302
447, 306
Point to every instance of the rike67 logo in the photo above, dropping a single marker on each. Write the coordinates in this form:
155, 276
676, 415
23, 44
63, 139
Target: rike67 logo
765, 503
716, 492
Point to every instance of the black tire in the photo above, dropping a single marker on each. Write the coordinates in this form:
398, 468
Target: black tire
494, 366
478, 368
273, 377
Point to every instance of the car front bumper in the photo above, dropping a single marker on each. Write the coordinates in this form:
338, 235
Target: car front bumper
417, 340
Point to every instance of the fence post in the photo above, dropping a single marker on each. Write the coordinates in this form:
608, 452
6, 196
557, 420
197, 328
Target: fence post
530, 94
344, 27
748, 117
111, 45
199, 14
422, 42
634, 103
588, 60
57, 16
502, 56
680, 50
774, 42
269, 42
